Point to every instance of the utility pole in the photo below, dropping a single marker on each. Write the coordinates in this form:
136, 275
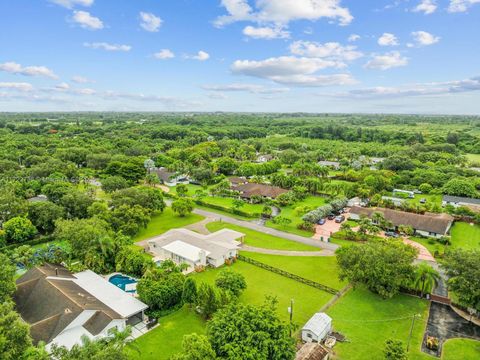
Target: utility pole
411, 331
290, 310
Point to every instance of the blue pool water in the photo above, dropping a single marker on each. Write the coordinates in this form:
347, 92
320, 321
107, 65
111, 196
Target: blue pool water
122, 280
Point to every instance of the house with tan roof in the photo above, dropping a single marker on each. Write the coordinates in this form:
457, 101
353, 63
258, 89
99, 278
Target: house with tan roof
62, 307
184, 246
428, 224
249, 190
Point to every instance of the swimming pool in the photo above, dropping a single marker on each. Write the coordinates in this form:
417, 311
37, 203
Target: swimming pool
122, 281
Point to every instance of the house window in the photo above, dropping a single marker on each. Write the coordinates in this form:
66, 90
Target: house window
309, 335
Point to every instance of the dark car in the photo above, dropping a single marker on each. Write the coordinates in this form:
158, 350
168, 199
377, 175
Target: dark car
391, 234
321, 221
331, 216
339, 219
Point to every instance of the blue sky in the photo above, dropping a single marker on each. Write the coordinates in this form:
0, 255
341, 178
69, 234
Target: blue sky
392, 56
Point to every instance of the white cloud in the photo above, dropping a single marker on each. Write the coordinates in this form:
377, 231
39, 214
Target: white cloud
14, 68
423, 38
81, 80
69, 4
87, 21
217, 96
62, 86
251, 88
200, 56
426, 89
354, 37
283, 11
330, 50
150, 22
426, 6
164, 54
290, 70
20, 86
387, 61
387, 39
108, 47
266, 32
461, 5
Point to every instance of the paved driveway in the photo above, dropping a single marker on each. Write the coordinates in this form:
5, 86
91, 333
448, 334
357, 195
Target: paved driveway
326, 230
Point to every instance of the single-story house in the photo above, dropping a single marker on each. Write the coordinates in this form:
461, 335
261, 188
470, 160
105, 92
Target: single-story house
332, 164
355, 201
264, 158
317, 328
169, 178
62, 307
184, 246
263, 190
237, 180
457, 201
428, 224
312, 351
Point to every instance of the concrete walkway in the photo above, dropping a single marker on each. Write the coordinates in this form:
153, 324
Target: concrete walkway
266, 230
285, 252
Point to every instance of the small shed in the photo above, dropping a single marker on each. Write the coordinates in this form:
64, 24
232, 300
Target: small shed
317, 328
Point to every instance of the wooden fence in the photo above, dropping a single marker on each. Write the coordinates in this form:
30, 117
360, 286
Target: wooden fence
289, 275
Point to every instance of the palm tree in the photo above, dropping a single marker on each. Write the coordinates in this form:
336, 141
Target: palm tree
426, 277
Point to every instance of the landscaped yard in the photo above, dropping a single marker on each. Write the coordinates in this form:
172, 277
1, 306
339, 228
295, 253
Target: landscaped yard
465, 236
296, 217
368, 321
258, 239
165, 221
322, 269
165, 340
228, 203
464, 349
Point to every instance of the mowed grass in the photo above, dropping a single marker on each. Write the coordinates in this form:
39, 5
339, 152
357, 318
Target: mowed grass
166, 339
261, 283
165, 221
465, 236
465, 349
295, 216
322, 269
228, 203
475, 158
368, 321
261, 240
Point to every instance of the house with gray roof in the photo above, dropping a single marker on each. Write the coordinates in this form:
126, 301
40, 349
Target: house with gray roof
62, 307
458, 201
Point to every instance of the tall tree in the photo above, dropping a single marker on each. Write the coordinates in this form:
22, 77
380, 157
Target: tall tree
426, 277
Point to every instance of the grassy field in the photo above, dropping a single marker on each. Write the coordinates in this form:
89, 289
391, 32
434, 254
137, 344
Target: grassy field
368, 321
475, 158
260, 283
465, 236
431, 199
166, 340
258, 239
296, 217
322, 269
165, 221
464, 349
228, 203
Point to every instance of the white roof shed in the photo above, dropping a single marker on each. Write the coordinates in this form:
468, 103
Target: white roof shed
317, 328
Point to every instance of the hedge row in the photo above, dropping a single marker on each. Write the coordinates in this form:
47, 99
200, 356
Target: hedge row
227, 209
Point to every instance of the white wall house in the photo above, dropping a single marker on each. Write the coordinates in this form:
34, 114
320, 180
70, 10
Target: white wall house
184, 246
62, 307
317, 328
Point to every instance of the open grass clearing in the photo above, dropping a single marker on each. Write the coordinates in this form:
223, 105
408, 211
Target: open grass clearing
465, 349
165, 221
262, 240
368, 321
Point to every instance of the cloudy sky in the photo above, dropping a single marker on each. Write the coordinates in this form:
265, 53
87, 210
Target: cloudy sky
394, 56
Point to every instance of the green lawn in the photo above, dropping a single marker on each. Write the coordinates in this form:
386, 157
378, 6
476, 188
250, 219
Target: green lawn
464, 349
465, 236
258, 239
228, 203
475, 158
164, 222
368, 321
165, 340
191, 189
431, 199
296, 217
322, 269
260, 283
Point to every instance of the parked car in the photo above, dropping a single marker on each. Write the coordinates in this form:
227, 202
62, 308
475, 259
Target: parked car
423, 201
339, 219
391, 234
321, 221
331, 216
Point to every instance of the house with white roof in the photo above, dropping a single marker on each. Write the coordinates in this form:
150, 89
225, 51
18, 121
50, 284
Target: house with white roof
184, 246
317, 328
62, 307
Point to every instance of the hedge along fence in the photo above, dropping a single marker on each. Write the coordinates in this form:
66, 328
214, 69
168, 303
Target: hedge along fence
40, 240
227, 209
289, 275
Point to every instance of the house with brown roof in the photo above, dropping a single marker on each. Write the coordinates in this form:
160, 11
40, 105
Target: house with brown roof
312, 351
428, 224
169, 178
62, 307
237, 180
249, 190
